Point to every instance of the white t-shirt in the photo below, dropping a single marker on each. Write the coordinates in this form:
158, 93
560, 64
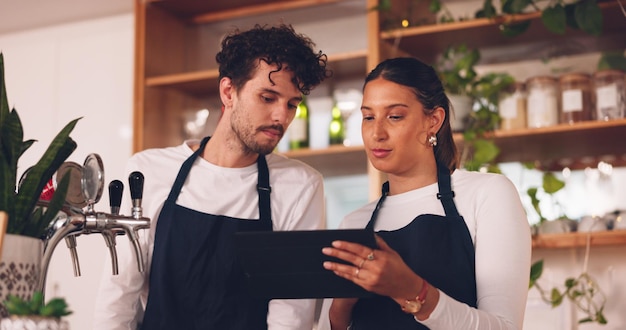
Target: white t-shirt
297, 203
497, 222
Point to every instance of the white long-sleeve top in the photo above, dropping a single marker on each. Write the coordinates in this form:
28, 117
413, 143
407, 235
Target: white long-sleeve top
297, 203
497, 222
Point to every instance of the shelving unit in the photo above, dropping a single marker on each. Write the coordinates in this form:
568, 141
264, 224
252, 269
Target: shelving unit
176, 42
575, 146
430, 40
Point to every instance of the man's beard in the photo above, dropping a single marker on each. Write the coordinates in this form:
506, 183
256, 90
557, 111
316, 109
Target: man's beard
247, 137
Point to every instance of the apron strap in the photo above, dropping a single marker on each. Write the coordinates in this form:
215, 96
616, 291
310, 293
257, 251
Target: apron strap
184, 170
384, 193
263, 185
264, 189
446, 194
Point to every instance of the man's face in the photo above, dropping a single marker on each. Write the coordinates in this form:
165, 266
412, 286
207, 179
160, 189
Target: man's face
263, 109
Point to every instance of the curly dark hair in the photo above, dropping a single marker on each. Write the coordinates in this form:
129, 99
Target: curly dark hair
279, 45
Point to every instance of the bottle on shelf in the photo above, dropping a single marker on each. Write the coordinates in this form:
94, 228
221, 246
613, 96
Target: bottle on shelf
542, 101
336, 132
299, 128
576, 102
512, 107
610, 94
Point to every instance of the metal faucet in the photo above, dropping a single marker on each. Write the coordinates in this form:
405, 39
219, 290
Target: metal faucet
72, 222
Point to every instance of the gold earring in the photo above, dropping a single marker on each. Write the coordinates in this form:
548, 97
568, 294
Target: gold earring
432, 140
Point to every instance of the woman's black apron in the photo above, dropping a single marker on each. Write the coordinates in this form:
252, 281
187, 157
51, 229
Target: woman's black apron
438, 248
195, 279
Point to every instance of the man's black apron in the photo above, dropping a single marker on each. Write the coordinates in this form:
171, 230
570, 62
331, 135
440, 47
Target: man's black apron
195, 279
438, 248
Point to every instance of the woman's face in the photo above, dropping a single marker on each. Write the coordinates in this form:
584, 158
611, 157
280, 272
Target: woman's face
394, 128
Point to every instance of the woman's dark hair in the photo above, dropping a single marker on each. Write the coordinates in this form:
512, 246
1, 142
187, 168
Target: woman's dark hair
425, 83
279, 45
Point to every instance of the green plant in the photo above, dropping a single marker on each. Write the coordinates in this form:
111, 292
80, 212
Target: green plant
584, 15
56, 307
612, 60
550, 185
20, 202
582, 291
456, 69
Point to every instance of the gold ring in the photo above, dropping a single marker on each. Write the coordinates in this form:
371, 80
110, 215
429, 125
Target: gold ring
356, 273
362, 262
370, 256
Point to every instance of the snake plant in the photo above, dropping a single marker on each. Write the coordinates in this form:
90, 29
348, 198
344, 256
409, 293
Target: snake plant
20, 202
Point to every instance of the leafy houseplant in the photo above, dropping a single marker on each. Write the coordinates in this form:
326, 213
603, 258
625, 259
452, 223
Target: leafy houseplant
456, 69
583, 15
582, 290
20, 202
55, 308
34, 313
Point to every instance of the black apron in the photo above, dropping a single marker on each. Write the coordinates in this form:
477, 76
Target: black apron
438, 248
196, 281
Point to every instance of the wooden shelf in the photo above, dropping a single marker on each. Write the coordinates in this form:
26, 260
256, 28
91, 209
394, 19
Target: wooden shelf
577, 240
551, 148
430, 40
202, 82
334, 160
201, 12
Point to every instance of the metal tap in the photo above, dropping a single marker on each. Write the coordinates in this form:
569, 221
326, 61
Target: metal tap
72, 222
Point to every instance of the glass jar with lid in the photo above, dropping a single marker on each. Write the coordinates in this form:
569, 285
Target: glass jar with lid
576, 98
542, 101
512, 107
610, 94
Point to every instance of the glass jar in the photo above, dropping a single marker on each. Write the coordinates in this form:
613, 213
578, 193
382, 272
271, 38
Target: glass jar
512, 107
610, 94
576, 98
543, 101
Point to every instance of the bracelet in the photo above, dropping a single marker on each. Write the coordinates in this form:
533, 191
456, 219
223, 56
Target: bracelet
414, 306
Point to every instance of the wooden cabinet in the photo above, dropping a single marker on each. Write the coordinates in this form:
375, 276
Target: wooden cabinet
176, 74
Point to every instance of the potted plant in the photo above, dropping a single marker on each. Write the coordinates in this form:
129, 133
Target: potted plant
456, 70
26, 222
35, 314
474, 100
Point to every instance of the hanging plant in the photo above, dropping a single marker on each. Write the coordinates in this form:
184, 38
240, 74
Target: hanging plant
582, 291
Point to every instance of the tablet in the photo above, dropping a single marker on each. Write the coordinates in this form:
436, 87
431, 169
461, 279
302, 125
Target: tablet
288, 264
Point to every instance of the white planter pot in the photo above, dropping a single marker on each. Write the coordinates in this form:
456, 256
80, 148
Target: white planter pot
33, 323
20, 267
460, 109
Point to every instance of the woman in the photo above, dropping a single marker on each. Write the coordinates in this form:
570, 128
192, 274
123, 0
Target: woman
453, 249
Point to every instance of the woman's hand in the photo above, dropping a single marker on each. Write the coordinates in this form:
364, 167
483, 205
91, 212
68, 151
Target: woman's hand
381, 271
340, 313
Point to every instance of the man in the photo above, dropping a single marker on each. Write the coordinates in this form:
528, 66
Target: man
200, 193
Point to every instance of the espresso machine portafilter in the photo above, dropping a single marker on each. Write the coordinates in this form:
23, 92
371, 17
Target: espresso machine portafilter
78, 216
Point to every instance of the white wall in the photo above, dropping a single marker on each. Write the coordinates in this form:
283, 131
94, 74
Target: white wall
54, 75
